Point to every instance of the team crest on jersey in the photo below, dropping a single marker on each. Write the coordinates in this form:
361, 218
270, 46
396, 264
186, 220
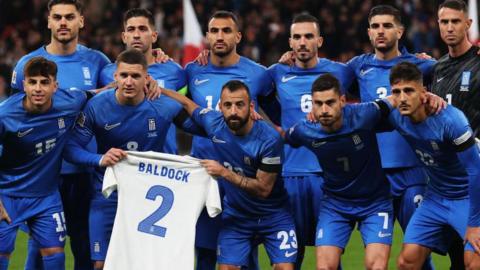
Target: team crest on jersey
61, 123
81, 119
247, 160
357, 141
465, 82
87, 76
14, 77
434, 146
152, 127
161, 83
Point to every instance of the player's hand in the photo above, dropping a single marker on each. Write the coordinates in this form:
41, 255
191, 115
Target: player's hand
3, 214
311, 117
213, 167
255, 116
202, 58
160, 56
152, 90
287, 58
112, 157
434, 103
473, 237
424, 56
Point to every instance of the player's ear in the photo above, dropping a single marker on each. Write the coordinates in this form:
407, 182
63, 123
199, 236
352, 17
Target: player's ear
400, 31
238, 37
319, 42
343, 100
469, 23
154, 36
124, 38
81, 21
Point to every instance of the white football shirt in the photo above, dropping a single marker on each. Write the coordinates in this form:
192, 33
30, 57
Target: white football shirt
160, 197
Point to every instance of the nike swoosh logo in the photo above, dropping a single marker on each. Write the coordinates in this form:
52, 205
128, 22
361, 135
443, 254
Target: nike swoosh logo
286, 79
62, 238
363, 72
110, 127
440, 79
317, 144
198, 82
215, 140
22, 134
290, 254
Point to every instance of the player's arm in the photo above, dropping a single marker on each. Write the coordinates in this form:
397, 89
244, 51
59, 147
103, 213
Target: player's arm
261, 186
187, 103
183, 121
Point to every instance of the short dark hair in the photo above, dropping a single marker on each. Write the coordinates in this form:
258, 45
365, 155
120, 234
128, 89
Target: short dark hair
139, 12
405, 71
132, 57
306, 18
459, 5
40, 66
326, 82
385, 10
78, 5
224, 14
236, 85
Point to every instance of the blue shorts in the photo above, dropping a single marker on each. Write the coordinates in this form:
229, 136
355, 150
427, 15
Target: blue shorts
101, 219
239, 235
434, 220
405, 205
304, 196
338, 218
43, 215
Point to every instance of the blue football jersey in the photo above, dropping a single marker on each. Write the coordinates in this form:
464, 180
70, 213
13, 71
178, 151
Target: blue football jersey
349, 157
77, 71
205, 85
80, 70
33, 143
435, 142
373, 80
293, 86
168, 75
138, 128
259, 149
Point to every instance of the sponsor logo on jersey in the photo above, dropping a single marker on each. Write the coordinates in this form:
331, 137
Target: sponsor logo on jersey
204, 111
465, 82
286, 79
217, 140
363, 72
21, 134
61, 123
316, 144
110, 127
198, 82
320, 233
62, 238
440, 79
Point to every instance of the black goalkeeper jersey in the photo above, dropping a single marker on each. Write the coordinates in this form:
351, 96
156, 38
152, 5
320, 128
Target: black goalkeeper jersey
457, 79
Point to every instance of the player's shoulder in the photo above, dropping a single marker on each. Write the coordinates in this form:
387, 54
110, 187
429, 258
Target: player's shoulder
24, 59
278, 68
194, 67
109, 67
167, 104
247, 62
359, 60
265, 132
169, 67
11, 104
102, 98
451, 115
90, 53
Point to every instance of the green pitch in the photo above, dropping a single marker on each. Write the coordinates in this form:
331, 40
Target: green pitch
352, 259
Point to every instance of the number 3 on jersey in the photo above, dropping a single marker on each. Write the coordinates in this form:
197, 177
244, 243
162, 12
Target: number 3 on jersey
148, 224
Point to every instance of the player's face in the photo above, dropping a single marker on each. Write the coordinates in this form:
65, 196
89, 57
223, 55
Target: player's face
384, 32
39, 91
131, 80
138, 34
327, 107
223, 36
408, 95
305, 40
453, 25
65, 22
235, 108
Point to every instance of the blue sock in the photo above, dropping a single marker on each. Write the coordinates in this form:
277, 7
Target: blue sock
54, 262
34, 259
3, 263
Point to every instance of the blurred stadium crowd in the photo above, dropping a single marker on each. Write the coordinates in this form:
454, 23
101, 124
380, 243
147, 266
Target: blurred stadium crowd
264, 24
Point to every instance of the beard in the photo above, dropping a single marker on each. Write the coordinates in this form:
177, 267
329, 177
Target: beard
388, 47
228, 50
236, 123
65, 40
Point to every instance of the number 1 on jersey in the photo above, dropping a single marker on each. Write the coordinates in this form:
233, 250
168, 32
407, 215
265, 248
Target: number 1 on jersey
148, 225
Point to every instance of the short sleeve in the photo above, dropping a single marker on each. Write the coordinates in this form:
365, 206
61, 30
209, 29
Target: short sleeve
458, 131
109, 182
265, 82
18, 76
207, 119
213, 202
